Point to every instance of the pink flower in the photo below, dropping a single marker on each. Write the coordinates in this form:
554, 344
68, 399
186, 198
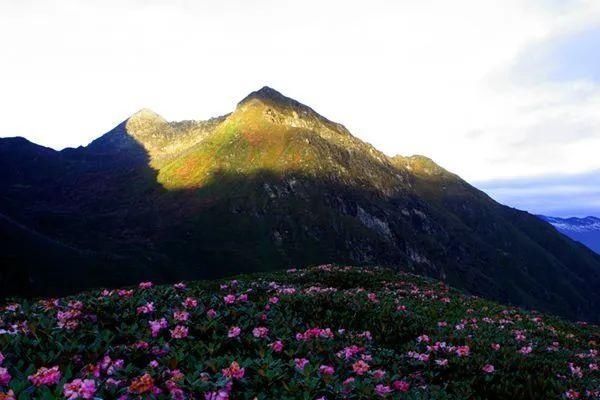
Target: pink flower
423, 338
378, 373
382, 390
10, 395
4, 376
442, 362
300, 363
179, 286
495, 346
401, 386
211, 313
525, 350
181, 315
145, 285
113, 382
463, 351
190, 302
360, 367
140, 345
176, 393
234, 332
348, 381
260, 332
146, 308
488, 369
116, 365
229, 299
45, 376
571, 394
176, 375
349, 352
314, 333
326, 370
142, 384
105, 362
125, 293
222, 394
80, 389
277, 346
179, 332
575, 370
153, 364
157, 325
372, 298
68, 319
76, 305
234, 371
274, 300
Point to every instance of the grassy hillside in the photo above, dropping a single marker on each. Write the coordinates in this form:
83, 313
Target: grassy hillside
320, 333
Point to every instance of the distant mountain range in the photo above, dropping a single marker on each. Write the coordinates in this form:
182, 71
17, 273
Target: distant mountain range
271, 185
585, 230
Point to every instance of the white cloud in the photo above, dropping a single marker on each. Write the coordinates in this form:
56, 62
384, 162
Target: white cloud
439, 78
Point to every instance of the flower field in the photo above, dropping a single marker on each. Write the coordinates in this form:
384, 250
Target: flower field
320, 333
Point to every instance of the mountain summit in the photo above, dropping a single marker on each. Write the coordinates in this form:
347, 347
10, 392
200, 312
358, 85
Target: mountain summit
271, 95
271, 185
273, 98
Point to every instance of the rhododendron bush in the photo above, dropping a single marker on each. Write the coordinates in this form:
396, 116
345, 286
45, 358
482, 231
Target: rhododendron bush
319, 333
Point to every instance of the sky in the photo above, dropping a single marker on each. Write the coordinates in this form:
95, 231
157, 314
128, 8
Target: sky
501, 92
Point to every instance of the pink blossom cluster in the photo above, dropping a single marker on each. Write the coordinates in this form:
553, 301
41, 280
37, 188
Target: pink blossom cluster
315, 333
46, 376
80, 389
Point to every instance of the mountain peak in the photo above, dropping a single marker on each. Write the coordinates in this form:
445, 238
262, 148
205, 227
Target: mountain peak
267, 94
146, 114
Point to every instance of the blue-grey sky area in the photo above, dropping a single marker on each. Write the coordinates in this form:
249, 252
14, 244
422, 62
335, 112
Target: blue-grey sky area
576, 195
489, 89
566, 58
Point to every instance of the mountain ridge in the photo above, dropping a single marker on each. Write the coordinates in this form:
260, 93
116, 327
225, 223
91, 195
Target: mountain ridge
576, 224
275, 184
584, 230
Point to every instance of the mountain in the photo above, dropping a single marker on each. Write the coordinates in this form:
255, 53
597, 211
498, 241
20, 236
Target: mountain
271, 185
585, 230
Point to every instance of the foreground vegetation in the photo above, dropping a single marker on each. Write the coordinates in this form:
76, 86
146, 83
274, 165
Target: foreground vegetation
320, 333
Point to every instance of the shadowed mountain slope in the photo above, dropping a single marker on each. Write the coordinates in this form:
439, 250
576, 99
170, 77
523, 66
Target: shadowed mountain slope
275, 184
